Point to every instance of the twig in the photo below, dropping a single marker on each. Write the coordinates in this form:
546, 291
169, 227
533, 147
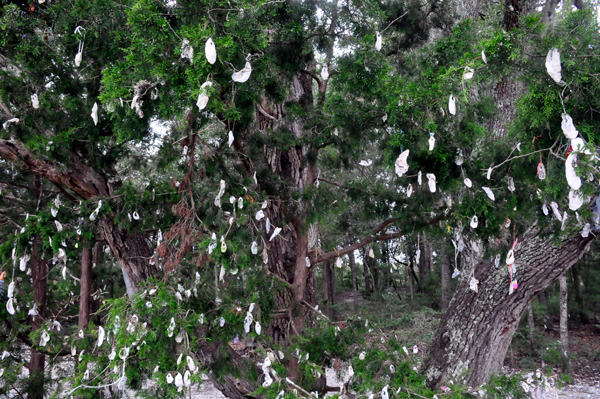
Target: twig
390, 24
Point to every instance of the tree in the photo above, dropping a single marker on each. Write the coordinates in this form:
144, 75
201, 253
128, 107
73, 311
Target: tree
297, 123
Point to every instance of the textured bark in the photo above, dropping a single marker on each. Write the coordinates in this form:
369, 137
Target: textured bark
85, 286
367, 276
477, 329
39, 272
445, 266
564, 315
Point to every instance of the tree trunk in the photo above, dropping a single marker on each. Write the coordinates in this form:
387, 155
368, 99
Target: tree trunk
478, 327
410, 282
424, 263
531, 324
39, 272
368, 283
85, 286
445, 266
583, 317
329, 287
564, 318
352, 262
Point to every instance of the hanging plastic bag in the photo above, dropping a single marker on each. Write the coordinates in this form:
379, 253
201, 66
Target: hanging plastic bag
254, 248
378, 41
365, 163
9, 122
468, 182
81, 32
473, 284
35, 102
431, 182
573, 180
230, 138
489, 193
545, 209
586, 230
468, 73
419, 178
401, 165
210, 51
243, 75
275, 233
95, 113
474, 222
431, 141
511, 184
568, 127
553, 65
575, 200
452, 105
541, 171
409, 190
555, 210
202, 101
483, 57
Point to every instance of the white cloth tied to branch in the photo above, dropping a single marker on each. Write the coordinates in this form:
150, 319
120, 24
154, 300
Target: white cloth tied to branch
324, 72
568, 127
378, 41
9, 122
431, 141
452, 104
468, 73
511, 184
95, 113
230, 138
468, 182
489, 193
474, 222
187, 51
243, 75
555, 210
572, 179
553, 65
81, 32
35, 102
575, 200
483, 57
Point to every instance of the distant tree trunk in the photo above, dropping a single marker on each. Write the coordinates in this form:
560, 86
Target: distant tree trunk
368, 281
445, 267
564, 317
477, 328
410, 282
329, 287
39, 272
352, 262
85, 286
424, 263
583, 317
531, 324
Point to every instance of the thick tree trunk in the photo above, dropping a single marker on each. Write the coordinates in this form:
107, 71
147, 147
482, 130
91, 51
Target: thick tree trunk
564, 317
39, 272
424, 263
132, 251
478, 327
85, 287
583, 317
445, 266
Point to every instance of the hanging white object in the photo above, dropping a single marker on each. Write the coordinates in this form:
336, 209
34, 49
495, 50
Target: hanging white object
511, 184
248, 322
307, 260
362, 355
230, 138
221, 273
259, 215
275, 233
384, 117
378, 41
468, 182
431, 182
473, 284
564, 221
568, 127
402, 164
257, 328
419, 178
384, 393
489, 173
545, 209
223, 245
573, 180
415, 349
553, 65
186, 379
242, 75
555, 210
339, 263
23, 262
59, 226
81, 32
268, 225
519, 146
136, 216
220, 194
474, 222
483, 57
459, 157
452, 105
178, 380
468, 73
510, 257
169, 378
210, 51
455, 273
365, 163
431, 141
95, 113
489, 193
371, 253
9, 122
409, 190
575, 200
541, 171
254, 248
101, 334
586, 230
35, 101
45, 337
10, 307
202, 101
187, 51
324, 72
